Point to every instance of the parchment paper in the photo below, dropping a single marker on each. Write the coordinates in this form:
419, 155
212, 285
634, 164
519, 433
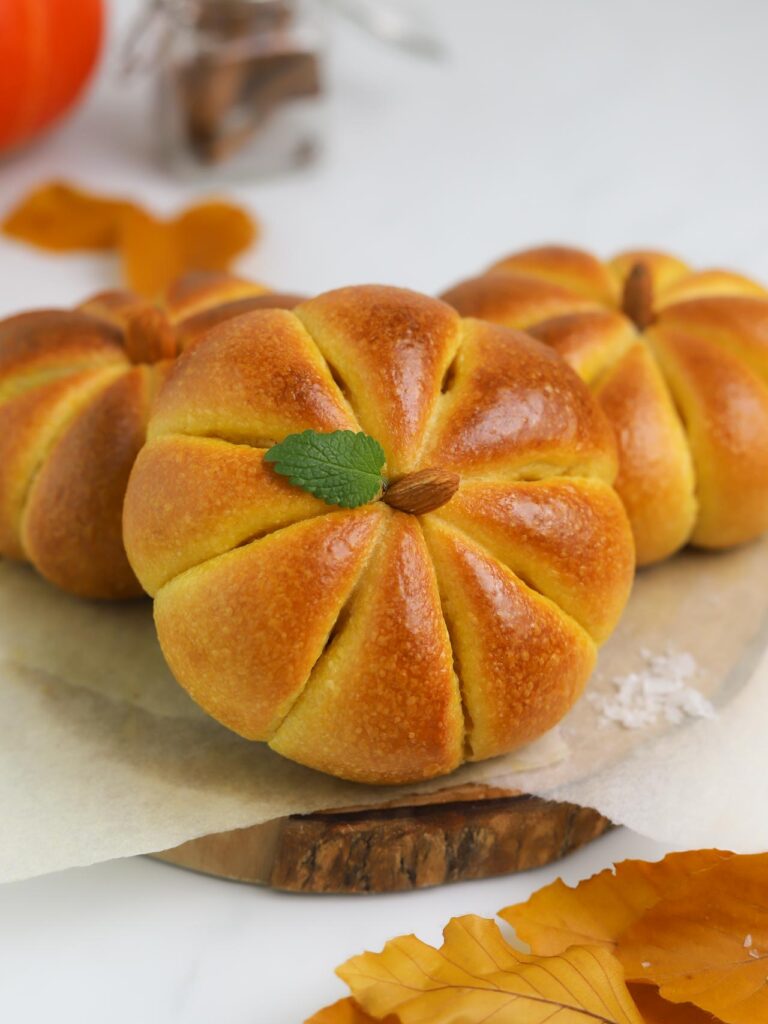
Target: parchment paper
103, 755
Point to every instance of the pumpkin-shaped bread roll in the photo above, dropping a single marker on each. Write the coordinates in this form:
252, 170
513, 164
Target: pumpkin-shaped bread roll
392, 641
678, 360
76, 387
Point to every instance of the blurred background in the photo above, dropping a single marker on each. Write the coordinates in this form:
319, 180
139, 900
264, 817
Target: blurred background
409, 143
449, 132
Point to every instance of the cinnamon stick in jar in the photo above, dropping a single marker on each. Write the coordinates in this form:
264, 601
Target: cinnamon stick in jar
248, 60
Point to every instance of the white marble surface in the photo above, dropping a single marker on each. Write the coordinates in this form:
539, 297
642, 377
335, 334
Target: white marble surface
139, 942
600, 122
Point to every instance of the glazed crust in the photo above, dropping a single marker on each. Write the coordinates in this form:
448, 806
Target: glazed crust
287, 590
192, 498
513, 408
564, 538
199, 290
75, 391
257, 384
688, 416
725, 408
522, 661
390, 355
513, 301
30, 423
384, 698
373, 644
577, 271
656, 478
50, 342
191, 328
105, 437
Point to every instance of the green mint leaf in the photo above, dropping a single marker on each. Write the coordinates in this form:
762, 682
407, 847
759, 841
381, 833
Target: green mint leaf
342, 468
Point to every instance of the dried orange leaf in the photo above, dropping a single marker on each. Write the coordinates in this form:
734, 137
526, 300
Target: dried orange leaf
149, 253
205, 237
476, 976
211, 234
60, 217
599, 909
346, 1011
655, 1010
709, 946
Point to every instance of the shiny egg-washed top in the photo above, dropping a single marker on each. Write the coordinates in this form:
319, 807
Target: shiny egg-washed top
678, 360
371, 643
76, 388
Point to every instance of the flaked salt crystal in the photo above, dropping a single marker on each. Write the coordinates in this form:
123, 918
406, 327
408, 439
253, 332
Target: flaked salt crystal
661, 691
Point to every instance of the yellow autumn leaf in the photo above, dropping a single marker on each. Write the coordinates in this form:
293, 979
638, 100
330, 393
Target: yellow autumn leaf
653, 1009
598, 910
709, 945
345, 1011
476, 976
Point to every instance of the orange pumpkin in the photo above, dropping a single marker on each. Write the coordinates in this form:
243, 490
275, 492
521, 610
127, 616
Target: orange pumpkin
47, 51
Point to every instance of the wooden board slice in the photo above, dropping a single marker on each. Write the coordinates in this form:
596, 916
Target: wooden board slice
451, 836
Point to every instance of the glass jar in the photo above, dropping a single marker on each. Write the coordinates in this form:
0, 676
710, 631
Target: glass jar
240, 86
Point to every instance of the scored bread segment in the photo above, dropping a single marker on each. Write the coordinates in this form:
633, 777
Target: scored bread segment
710, 283
514, 301
253, 380
242, 631
106, 434
45, 344
565, 539
656, 477
590, 342
515, 408
201, 290
578, 271
739, 324
522, 661
30, 424
192, 498
390, 349
383, 703
195, 327
725, 407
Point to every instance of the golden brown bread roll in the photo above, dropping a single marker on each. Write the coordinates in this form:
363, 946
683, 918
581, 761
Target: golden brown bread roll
371, 643
76, 387
678, 360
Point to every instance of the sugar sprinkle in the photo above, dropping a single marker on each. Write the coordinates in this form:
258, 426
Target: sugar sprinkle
662, 690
